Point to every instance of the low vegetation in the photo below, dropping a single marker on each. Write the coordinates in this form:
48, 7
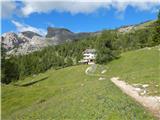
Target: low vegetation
139, 67
68, 94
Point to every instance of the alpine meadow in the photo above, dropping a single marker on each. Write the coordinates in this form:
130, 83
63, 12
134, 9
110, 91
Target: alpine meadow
80, 60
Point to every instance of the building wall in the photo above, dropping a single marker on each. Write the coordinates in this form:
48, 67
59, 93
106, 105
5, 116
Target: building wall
89, 57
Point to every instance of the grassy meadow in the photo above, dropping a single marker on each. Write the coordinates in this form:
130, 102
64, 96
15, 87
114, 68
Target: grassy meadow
70, 94
138, 67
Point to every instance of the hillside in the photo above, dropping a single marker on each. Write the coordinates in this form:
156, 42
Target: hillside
71, 94
139, 67
140, 26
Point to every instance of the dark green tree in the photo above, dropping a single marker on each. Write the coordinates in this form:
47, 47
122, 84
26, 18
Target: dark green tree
159, 15
69, 61
2, 63
156, 37
11, 71
106, 50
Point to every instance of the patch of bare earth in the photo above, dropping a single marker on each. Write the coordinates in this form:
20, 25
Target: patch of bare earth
152, 103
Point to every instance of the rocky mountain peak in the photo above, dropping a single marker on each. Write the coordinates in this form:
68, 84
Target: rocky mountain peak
52, 32
30, 34
10, 35
9, 40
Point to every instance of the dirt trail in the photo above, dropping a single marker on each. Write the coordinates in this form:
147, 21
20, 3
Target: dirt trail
90, 71
150, 102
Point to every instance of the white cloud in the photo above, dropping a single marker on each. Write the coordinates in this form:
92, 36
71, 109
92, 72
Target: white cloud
85, 6
72, 7
7, 8
23, 27
10, 7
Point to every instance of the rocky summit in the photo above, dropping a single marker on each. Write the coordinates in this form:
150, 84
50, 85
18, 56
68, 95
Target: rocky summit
27, 41
22, 43
30, 34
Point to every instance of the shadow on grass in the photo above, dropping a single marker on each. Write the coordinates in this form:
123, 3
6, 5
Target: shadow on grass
31, 83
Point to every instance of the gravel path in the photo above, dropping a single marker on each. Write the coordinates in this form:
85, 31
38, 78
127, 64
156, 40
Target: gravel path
90, 71
152, 103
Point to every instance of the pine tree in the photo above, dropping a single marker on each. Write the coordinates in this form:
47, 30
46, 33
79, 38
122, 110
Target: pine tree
105, 47
3, 64
156, 37
159, 15
69, 61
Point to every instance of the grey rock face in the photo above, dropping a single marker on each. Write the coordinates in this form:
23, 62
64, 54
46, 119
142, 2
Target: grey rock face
27, 41
59, 35
126, 29
51, 32
30, 34
10, 40
21, 43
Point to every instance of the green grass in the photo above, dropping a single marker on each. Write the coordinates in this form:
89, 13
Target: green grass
71, 94
145, 25
138, 67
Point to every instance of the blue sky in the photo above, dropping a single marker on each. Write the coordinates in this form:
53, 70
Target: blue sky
77, 16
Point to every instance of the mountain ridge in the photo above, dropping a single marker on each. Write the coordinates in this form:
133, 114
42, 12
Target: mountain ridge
27, 41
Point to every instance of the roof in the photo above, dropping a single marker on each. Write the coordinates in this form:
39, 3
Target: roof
90, 51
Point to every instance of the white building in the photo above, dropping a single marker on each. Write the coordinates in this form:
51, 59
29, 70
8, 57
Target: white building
89, 56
